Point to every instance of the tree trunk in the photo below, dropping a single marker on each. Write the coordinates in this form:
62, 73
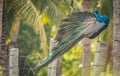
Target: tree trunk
3, 48
1, 8
13, 62
116, 38
15, 32
86, 59
100, 59
54, 68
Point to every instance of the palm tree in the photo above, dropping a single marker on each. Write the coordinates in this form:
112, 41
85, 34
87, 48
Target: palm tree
3, 50
116, 38
86, 58
25, 9
33, 11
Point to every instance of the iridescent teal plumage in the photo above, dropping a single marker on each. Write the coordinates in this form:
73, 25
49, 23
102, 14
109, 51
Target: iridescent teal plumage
73, 29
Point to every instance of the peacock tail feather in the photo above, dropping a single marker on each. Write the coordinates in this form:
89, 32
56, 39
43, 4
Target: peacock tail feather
73, 29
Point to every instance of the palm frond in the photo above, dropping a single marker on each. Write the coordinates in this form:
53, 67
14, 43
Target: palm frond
57, 10
33, 10
27, 10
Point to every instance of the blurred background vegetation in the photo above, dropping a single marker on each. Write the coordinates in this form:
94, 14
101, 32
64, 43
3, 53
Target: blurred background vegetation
38, 21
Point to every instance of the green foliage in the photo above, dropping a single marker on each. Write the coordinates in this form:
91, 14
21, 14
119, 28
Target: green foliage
41, 5
48, 29
107, 9
71, 61
9, 18
28, 42
58, 9
29, 45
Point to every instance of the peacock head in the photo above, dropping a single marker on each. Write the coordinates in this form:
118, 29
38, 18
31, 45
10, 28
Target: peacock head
101, 18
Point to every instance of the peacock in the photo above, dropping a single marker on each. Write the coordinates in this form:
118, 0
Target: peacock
74, 28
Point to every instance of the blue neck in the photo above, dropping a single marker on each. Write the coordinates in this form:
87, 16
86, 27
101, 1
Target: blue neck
101, 19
